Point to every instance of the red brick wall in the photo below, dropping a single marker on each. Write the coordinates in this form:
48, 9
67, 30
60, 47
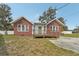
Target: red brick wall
49, 30
24, 22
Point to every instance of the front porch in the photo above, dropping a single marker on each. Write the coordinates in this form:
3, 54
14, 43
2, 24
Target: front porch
40, 30
49, 35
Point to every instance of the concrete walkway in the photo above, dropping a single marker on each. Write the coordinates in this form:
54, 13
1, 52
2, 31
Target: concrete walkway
67, 43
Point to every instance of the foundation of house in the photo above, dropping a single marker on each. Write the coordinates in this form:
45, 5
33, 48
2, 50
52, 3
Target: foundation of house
44, 36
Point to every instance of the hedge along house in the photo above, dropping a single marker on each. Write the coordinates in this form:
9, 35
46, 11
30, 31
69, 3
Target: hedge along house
22, 27
51, 29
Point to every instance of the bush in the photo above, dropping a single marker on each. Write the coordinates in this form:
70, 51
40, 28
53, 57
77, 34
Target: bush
1, 40
1, 36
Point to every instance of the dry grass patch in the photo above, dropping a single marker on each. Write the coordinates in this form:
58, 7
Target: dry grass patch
17, 45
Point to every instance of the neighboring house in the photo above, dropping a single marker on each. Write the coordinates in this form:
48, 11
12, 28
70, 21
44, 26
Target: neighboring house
51, 29
22, 27
66, 32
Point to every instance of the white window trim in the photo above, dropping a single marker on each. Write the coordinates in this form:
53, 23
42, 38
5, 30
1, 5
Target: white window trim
18, 27
23, 30
54, 30
25, 27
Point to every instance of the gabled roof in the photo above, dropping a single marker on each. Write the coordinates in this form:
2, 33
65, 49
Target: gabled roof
55, 20
21, 19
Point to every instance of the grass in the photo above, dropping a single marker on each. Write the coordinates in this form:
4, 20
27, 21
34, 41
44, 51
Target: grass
18, 46
76, 35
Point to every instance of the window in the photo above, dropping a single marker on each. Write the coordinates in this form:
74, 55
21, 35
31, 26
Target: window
27, 28
54, 28
22, 28
18, 27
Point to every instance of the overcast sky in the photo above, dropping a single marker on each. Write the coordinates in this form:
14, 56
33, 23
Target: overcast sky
32, 12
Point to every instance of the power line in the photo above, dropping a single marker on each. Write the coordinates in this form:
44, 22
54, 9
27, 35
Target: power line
71, 14
63, 6
56, 9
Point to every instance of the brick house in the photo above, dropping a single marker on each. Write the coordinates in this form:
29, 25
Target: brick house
22, 27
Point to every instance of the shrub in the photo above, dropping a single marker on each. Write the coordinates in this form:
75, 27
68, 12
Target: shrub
1, 40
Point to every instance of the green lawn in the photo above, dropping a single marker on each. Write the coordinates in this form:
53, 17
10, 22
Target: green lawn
17, 45
71, 35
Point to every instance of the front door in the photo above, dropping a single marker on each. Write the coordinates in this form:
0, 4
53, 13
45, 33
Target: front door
40, 30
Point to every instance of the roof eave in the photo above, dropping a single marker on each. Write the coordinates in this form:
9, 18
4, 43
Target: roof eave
56, 20
20, 19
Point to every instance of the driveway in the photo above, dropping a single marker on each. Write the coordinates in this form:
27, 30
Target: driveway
67, 43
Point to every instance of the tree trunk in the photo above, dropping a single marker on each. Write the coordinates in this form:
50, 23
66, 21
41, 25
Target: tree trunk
5, 25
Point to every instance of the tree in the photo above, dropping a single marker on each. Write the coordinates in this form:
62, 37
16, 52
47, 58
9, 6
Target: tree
48, 15
62, 20
65, 28
5, 17
51, 13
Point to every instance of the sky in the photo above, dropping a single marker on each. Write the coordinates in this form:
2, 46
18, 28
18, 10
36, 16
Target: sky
32, 11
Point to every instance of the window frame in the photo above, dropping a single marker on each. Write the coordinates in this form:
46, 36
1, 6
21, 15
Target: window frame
54, 28
27, 28
20, 29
